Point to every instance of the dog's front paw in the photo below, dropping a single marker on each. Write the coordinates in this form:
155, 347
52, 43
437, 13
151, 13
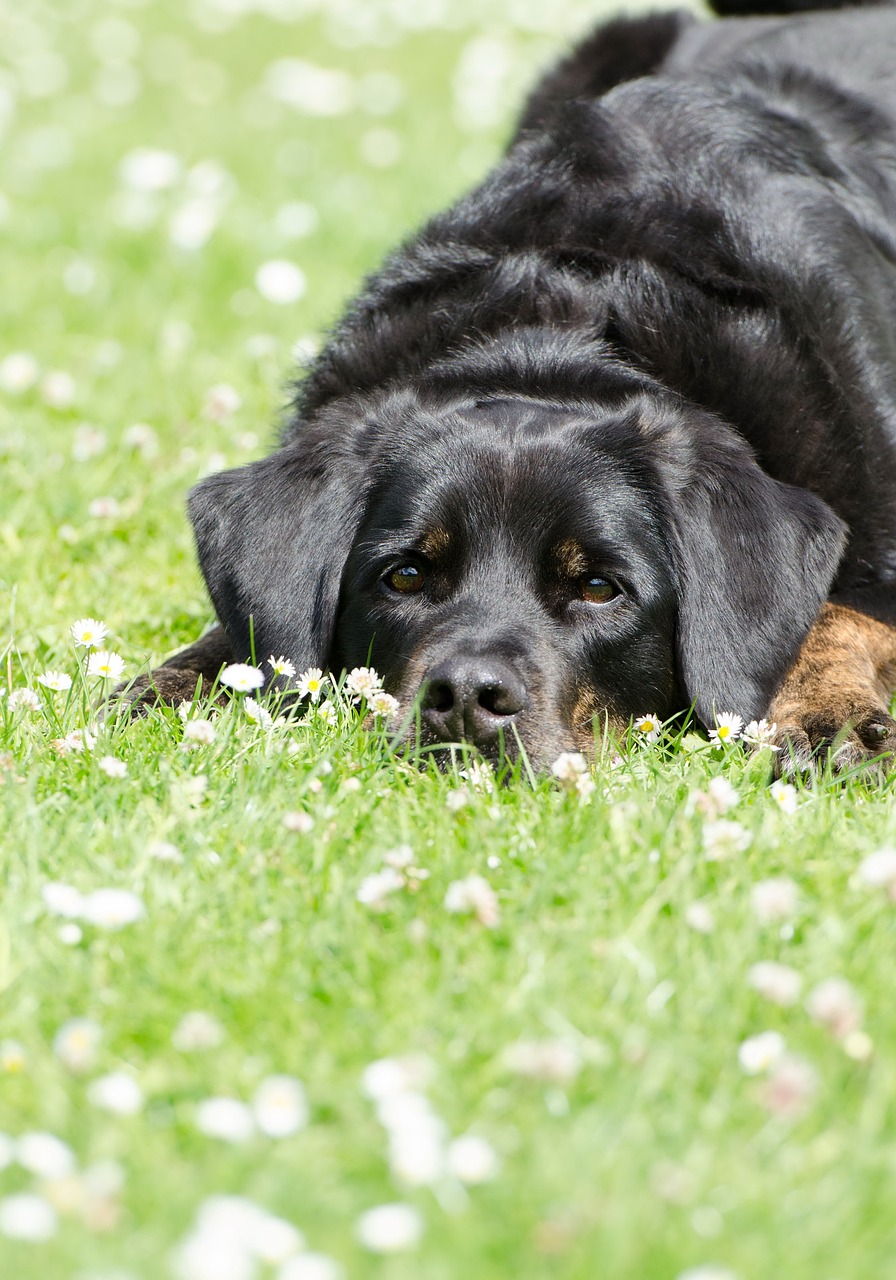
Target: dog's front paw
166, 686
850, 737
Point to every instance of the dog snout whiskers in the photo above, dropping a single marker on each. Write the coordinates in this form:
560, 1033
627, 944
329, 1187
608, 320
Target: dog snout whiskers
472, 699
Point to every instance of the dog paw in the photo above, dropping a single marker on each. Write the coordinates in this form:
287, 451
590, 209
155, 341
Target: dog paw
863, 737
166, 686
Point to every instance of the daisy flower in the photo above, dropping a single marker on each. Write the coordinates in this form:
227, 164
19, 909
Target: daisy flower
112, 767
280, 1106
785, 796
55, 681
257, 714
241, 677
649, 727
105, 664
25, 1216
198, 733
281, 666
757, 1053
116, 1092
569, 767
390, 1228
311, 683
472, 1159
87, 633
363, 682
225, 1118
112, 908
76, 1044
728, 729
327, 712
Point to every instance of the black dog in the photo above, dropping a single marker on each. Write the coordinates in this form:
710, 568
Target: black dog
617, 433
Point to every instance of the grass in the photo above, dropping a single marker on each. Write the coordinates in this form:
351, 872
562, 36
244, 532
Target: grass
634, 1145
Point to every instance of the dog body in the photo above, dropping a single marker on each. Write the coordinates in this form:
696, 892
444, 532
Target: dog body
615, 434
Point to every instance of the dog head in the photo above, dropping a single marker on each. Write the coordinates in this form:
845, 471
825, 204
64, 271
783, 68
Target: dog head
522, 567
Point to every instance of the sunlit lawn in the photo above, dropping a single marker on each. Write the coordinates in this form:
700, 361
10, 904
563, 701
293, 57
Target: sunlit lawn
566, 982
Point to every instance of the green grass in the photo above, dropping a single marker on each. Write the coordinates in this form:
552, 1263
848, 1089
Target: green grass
653, 1152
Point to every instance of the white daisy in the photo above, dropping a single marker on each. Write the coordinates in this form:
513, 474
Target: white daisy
472, 1159
390, 1228
241, 677
45, 1155
311, 683
327, 712
877, 870
116, 1092
107, 665
257, 713
76, 1044
225, 1118
757, 1053
197, 1031
88, 633
649, 727
199, 733
55, 681
112, 908
280, 281
280, 1106
569, 767
281, 666
785, 796
728, 729
26, 1216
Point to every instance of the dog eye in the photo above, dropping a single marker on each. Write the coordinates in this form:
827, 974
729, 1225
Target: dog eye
597, 590
406, 578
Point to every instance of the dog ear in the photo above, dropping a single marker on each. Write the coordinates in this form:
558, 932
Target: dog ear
755, 561
273, 538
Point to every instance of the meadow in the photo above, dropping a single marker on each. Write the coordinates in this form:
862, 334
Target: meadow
276, 1002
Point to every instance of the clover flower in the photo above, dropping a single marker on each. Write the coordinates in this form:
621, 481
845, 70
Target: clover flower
759, 733
77, 741
311, 683
551, 1061
105, 664
112, 767
281, 666
775, 982
649, 727
55, 681
197, 1031
473, 896
241, 677
480, 776
383, 704
698, 917
728, 729
375, 889
789, 1086
835, 1004
362, 683
198, 733
471, 1159
878, 870
569, 767
298, 820
723, 839
221, 402
774, 899
718, 798
24, 700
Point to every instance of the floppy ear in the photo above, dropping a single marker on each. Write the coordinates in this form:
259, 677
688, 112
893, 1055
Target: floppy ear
755, 561
273, 539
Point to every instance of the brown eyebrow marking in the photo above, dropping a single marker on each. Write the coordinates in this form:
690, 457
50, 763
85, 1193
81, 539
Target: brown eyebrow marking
571, 558
434, 543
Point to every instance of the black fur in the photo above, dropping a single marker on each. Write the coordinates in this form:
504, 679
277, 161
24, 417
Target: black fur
662, 329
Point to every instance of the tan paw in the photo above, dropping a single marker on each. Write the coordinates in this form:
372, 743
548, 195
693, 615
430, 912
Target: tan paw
855, 738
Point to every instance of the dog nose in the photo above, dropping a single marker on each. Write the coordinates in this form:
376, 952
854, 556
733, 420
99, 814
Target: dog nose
472, 699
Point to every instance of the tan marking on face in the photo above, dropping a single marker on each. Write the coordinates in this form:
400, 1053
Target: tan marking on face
592, 722
434, 543
571, 559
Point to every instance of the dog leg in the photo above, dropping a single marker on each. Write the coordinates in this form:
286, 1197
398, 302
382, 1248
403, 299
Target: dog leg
836, 697
178, 678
